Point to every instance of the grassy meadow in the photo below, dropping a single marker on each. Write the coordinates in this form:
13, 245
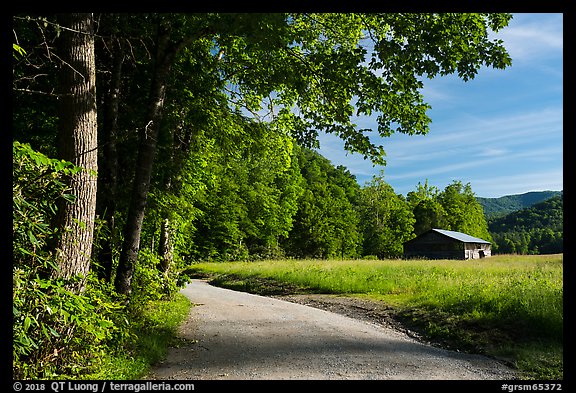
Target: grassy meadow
506, 306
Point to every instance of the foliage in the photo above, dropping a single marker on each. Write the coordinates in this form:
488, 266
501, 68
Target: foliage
463, 212
386, 220
55, 331
455, 208
151, 283
326, 224
235, 75
319, 63
37, 185
153, 327
176, 204
250, 200
273, 198
58, 333
18, 51
535, 230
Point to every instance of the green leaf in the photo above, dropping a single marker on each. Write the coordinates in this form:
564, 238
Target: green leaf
18, 50
105, 323
65, 314
53, 332
27, 323
32, 238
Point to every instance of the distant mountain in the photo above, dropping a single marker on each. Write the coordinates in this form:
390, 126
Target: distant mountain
548, 214
497, 207
538, 229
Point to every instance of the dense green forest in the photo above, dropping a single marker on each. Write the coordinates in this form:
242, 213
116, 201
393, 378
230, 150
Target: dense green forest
144, 142
497, 207
538, 229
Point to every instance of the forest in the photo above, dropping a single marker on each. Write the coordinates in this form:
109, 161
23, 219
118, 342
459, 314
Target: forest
538, 229
498, 207
145, 142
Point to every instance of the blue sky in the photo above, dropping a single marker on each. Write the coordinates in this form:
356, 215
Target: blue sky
502, 132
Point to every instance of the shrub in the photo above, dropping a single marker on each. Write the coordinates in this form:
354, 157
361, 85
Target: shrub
55, 332
148, 282
59, 333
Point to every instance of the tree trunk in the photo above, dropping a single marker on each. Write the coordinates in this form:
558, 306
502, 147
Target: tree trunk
165, 54
166, 249
77, 143
108, 175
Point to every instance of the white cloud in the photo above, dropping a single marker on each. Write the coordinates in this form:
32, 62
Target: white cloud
502, 159
532, 35
483, 137
492, 152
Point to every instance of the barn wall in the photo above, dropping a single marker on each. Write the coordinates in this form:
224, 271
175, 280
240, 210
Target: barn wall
434, 254
477, 250
433, 245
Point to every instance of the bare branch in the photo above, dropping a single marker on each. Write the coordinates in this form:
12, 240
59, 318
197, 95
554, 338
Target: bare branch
37, 92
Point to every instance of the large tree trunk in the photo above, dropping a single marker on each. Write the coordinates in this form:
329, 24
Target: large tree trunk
77, 143
165, 54
108, 176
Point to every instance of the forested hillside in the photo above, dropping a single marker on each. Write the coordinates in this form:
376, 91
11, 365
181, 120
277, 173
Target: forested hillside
535, 230
262, 204
497, 207
144, 142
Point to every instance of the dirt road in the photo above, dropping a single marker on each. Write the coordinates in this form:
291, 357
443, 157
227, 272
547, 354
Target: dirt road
240, 336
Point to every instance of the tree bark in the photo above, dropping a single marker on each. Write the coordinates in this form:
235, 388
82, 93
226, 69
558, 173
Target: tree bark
166, 249
77, 143
165, 54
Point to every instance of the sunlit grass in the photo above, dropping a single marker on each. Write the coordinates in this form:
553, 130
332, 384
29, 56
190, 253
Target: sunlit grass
526, 288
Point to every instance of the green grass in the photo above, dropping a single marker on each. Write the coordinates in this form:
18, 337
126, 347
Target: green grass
154, 330
508, 306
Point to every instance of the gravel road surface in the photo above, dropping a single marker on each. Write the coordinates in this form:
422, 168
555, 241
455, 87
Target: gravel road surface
240, 336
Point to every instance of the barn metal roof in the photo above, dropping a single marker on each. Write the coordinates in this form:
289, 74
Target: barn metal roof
460, 236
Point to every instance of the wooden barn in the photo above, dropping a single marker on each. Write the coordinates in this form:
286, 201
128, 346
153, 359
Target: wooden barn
443, 244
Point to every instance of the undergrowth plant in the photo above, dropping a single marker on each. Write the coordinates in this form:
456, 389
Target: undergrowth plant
59, 333
56, 332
